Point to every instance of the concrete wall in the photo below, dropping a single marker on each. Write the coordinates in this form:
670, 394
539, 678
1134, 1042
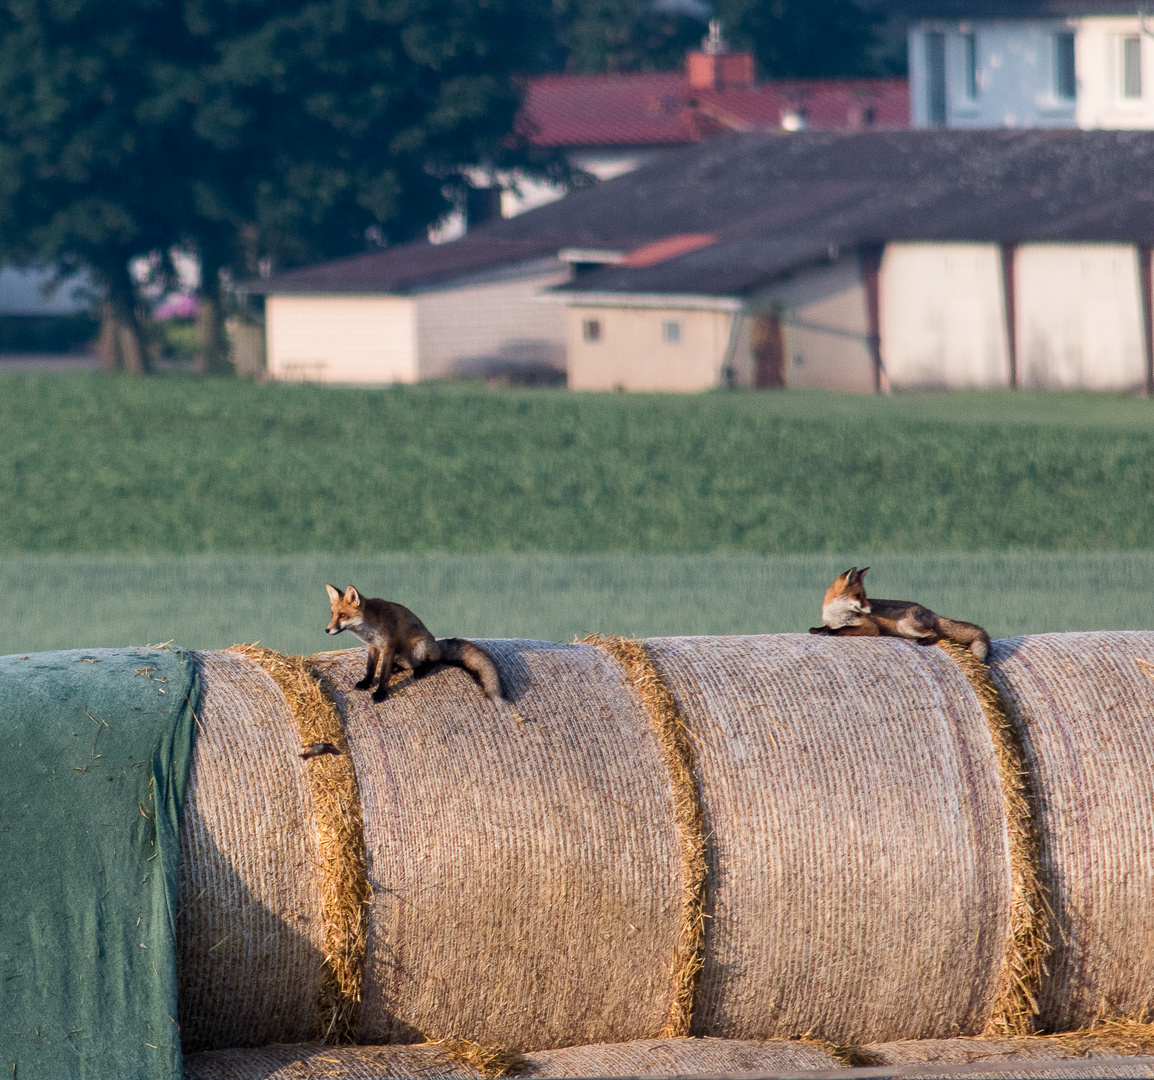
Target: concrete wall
486, 326
942, 316
1017, 84
342, 339
1079, 317
826, 328
633, 353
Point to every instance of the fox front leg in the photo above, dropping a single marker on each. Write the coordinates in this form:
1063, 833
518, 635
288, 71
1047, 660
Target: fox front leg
373, 658
382, 689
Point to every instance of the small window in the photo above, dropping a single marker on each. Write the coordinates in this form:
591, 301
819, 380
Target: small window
591, 329
1132, 68
936, 78
1065, 75
970, 49
671, 333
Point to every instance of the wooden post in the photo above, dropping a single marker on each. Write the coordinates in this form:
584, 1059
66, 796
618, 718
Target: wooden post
1146, 280
768, 352
1010, 307
870, 257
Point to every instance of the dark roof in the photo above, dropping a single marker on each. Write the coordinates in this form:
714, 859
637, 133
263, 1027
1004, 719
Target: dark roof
661, 109
779, 201
1009, 9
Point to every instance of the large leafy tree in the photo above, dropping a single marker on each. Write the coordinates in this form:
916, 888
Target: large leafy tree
247, 130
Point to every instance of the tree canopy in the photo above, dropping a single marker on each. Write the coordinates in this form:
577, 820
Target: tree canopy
245, 129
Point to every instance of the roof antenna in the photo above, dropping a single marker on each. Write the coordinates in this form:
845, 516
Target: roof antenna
714, 43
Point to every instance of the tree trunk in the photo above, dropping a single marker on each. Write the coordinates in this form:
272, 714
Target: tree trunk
212, 352
121, 343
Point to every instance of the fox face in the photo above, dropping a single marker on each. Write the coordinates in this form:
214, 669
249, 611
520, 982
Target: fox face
348, 611
845, 600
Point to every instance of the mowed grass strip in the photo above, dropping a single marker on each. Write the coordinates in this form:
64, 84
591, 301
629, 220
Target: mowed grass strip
95, 464
213, 601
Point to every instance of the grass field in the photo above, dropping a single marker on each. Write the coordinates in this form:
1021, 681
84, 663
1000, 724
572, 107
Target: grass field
51, 602
90, 464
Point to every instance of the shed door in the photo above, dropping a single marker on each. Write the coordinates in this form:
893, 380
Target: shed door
768, 352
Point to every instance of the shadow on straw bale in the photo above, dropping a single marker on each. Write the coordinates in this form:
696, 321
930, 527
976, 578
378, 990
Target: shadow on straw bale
859, 881
249, 932
1082, 705
526, 876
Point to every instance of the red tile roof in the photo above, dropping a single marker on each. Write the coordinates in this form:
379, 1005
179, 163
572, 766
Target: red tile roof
660, 109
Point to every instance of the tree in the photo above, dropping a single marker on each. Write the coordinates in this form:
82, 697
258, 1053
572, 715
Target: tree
246, 130
807, 38
624, 35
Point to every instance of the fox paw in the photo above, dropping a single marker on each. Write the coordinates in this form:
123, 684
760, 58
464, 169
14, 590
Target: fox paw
364, 684
380, 695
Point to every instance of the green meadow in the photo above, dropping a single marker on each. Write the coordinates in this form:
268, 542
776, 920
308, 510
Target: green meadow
213, 601
212, 512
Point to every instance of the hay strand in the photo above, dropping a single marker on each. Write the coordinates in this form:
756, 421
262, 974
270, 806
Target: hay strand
689, 954
1015, 1009
492, 1062
343, 875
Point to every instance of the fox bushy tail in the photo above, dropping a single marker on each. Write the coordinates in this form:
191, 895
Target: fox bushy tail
475, 661
968, 634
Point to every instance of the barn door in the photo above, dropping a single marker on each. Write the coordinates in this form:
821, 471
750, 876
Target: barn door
768, 351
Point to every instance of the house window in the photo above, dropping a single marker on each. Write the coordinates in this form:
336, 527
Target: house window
671, 333
970, 49
1065, 76
936, 78
1132, 68
591, 330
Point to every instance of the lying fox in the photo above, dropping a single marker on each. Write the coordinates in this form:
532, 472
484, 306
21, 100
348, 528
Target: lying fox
394, 633
847, 612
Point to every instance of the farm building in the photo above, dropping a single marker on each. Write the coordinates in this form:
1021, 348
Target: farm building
848, 261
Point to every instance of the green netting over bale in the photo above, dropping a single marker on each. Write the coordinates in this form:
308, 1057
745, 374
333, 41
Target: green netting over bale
858, 855
251, 934
97, 746
523, 857
1084, 706
681, 1057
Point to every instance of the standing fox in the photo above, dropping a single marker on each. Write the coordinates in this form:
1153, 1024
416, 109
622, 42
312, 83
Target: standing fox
393, 632
847, 612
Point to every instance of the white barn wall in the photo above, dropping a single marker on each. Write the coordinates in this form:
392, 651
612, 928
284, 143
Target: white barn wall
498, 319
1079, 317
943, 317
632, 354
341, 339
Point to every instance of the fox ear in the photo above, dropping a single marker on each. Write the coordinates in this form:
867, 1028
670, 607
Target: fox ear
334, 593
352, 596
850, 575
862, 574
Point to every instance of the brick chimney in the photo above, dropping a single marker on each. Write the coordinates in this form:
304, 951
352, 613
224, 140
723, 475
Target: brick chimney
714, 67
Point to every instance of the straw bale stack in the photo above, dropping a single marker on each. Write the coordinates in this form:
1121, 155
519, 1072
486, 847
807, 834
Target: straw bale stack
681, 1057
1084, 706
858, 856
524, 860
249, 931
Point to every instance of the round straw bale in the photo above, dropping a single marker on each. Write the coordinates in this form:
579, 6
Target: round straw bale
428, 1062
1110, 1040
680, 1057
1083, 705
524, 860
858, 857
249, 930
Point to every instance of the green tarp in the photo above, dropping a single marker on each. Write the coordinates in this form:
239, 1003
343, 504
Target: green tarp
94, 758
